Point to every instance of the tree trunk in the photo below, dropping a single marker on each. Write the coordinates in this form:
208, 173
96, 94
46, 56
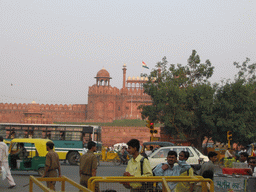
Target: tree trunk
197, 142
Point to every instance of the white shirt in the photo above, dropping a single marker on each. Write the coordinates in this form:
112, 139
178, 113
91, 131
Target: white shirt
3, 152
254, 172
228, 154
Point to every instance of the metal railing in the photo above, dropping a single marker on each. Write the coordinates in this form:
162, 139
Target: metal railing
152, 179
63, 179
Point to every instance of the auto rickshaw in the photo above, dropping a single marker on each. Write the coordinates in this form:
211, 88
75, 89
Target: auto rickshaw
7, 142
33, 157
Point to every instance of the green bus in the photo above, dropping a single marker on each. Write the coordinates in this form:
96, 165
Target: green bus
70, 140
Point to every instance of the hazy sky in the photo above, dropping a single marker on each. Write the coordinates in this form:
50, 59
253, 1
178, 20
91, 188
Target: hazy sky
50, 51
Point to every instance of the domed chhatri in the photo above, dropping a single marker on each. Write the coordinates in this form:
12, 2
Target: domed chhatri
103, 73
103, 78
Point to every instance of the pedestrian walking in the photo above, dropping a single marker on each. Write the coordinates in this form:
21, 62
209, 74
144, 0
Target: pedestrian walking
52, 164
88, 165
4, 162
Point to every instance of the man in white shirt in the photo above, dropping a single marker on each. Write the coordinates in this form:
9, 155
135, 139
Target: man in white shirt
228, 154
243, 157
4, 162
252, 165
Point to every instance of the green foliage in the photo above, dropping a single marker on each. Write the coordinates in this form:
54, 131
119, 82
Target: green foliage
191, 108
182, 98
235, 106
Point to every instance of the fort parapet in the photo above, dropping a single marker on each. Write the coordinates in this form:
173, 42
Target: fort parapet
41, 113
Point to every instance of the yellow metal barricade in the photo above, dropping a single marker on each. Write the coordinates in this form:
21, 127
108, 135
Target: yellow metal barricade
152, 179
62, 179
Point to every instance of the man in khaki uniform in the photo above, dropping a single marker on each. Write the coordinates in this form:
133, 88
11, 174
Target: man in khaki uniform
51, 165
88, 165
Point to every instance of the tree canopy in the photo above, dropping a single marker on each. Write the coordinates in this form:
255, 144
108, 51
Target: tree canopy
182, 98
190, 107
235, 106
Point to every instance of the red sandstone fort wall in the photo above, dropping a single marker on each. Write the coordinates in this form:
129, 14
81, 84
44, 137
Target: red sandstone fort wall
112, 134
42, 114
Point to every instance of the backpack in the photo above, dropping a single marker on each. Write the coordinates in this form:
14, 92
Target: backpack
148, 186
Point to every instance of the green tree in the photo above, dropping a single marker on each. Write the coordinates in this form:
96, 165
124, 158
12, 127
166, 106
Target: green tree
182, 98
235, 106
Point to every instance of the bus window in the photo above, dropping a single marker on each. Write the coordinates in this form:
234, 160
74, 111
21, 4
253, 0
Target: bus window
55, 135
86, 137
43, 134
26, 134
62, 135
48, 135
73, 136
30, 134
38, 134
12, 135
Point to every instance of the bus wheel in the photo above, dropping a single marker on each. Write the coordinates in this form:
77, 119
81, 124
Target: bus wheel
41, 171
73, 157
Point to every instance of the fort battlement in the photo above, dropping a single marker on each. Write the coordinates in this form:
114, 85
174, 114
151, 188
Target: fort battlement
41, 113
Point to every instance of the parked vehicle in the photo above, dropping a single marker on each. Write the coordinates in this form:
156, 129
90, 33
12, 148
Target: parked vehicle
160, 155
158, 143
33, 158
7, 142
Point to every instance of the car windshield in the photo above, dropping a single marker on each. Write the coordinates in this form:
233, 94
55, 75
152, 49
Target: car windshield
161, 153
197, 151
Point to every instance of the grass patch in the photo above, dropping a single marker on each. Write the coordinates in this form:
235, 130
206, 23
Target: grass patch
120, 123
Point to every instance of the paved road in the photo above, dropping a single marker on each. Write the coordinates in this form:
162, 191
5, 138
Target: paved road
22, 178
105, 169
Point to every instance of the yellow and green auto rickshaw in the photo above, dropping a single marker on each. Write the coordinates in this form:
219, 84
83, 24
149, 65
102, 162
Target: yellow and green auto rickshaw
28, 154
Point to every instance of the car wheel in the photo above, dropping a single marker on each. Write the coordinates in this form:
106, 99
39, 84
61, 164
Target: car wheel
73, 158
41, 171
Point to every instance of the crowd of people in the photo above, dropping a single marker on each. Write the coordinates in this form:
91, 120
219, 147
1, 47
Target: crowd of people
138, 165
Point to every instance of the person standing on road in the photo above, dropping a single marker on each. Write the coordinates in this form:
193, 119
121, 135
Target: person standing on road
134, 166
168, 169
88, 165
52, 164
4, 162
185, 186
210, 164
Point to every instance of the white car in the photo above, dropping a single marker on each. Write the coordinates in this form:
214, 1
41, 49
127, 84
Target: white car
160, 155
